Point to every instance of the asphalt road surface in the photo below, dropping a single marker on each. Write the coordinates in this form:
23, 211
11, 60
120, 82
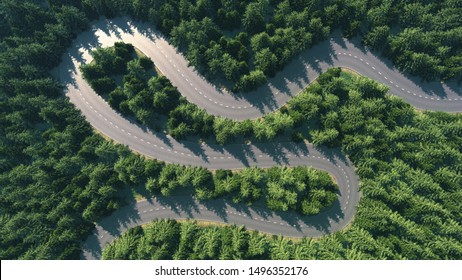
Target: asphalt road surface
286, 84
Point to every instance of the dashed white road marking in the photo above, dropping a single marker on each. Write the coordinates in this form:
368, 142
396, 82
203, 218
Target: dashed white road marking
239, 107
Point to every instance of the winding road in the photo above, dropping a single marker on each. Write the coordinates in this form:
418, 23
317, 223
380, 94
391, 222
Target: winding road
296, 76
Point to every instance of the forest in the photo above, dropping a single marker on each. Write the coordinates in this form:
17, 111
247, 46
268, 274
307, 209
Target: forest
301, 189
57, 176
410, 166
244, 42
152, 101
170, 239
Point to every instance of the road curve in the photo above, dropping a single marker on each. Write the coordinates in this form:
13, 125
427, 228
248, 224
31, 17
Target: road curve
336, 52
279, 90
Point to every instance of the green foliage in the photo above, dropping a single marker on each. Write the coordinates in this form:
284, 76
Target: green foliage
150, 99
108, 60
300, 189
400, 157
411, 200
275, 38
251, 81
304, 190
424, 41
169, 239
141, 95
188, 119
65, 173
253, 19
281, 188
377, 38
57, 178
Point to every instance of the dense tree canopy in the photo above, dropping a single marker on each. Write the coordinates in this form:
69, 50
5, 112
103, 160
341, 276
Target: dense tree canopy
151, 99
410, 168
57, 177
408, 206
421, 37
300, 189
169, 239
